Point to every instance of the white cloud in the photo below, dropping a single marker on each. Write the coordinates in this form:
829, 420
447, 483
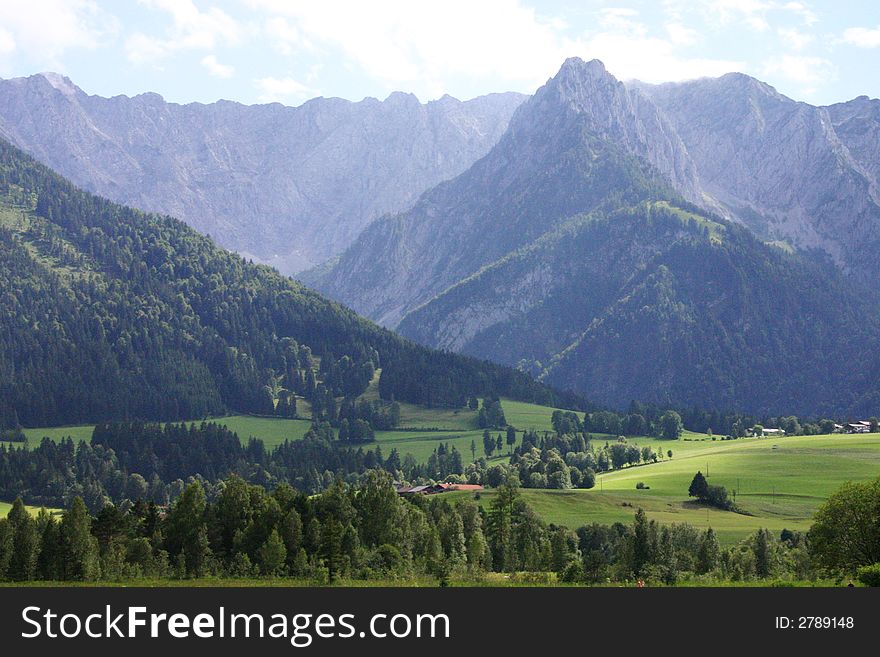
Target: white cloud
284, 36
751, 12
652, 59
217, 69
629, 51
803, 70
807, 15
190, 29
7, 42
422, 47
282, 90
794, 38
416, 44
43, 30
681, 35
617, 18
862, 37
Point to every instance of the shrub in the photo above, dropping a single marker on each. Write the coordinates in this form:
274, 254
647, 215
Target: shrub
869, 575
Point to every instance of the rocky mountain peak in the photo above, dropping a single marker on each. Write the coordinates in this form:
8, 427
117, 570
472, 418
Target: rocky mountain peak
582, 86
585, 94
61, 82
747, 83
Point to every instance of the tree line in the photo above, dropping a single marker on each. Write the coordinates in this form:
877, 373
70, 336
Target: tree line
368, 531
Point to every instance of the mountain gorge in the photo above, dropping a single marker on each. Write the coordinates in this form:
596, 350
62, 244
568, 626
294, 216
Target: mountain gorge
288, 186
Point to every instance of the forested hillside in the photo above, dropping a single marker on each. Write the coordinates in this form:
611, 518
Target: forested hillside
582, 250
662, 304
111, 313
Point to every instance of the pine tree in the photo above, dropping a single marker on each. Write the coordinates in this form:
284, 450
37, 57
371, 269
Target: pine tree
707, 557
79, 549
641, 542
48, 562
23, 562
273, 555
699, 487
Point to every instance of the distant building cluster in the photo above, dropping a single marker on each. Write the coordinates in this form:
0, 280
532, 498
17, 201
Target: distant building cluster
862, 426
434, 489
853, 427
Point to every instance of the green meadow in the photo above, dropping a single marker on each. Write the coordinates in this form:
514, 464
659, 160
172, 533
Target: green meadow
6, 507
778, 483
422, 429
272, 431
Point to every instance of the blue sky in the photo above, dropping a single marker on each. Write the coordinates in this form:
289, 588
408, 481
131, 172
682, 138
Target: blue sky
288, 51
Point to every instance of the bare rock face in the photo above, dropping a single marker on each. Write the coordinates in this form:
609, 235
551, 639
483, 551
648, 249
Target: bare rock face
790, 171
623, 116
586, 248
287, 186
582, 141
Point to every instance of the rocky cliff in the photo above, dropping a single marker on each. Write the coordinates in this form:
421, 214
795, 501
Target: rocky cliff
291, 186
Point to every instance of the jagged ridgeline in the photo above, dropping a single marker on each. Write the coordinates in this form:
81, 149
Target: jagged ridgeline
584, 250
110, 313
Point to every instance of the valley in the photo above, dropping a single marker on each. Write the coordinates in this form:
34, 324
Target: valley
777, 482
636, 325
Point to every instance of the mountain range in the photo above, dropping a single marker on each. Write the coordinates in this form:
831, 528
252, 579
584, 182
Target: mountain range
288, 186
802, 175
590, 248
708, 243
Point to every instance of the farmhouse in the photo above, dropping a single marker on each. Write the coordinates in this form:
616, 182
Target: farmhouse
774, 432
858, 427
435, 489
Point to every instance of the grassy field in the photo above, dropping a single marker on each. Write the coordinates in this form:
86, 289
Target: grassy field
780, 482
56, 434
6, 507
272, 431
526, 416
458, 428
421, 444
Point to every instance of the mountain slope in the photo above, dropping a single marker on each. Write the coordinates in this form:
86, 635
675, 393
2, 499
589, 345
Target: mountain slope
287, 186
582, 142
576, 250
664, 305
788, 170
111, 313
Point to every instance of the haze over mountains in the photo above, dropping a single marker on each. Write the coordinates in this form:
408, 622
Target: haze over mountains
287, 186
789, 171
586, 249
709, 243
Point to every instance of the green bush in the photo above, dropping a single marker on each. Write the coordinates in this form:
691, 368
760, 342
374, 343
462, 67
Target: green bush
870, 575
